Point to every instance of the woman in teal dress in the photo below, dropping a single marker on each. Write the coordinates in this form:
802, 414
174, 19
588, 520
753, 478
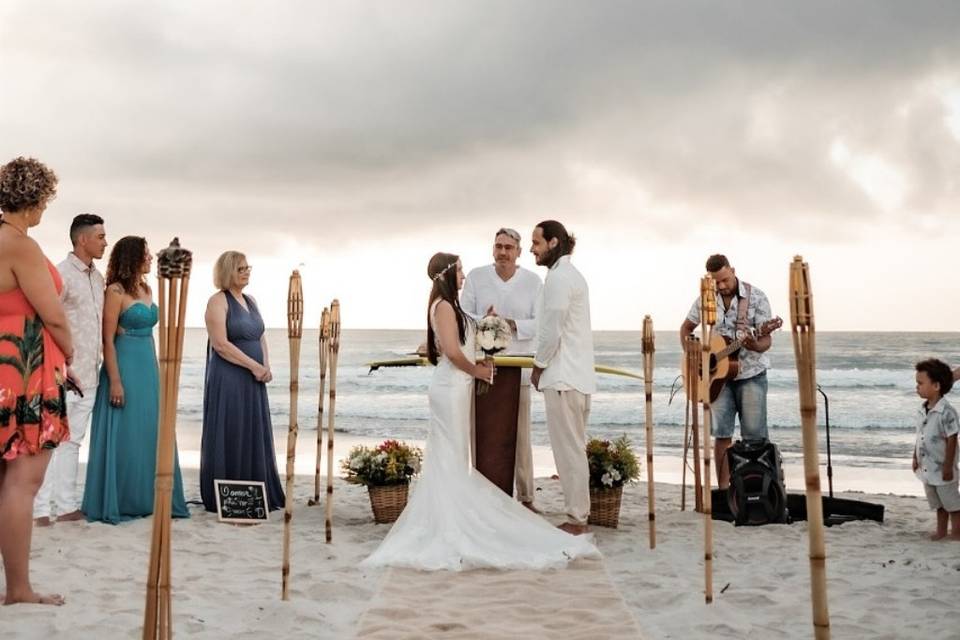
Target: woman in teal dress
123, 437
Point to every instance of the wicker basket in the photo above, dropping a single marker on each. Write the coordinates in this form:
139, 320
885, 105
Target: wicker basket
388, 502
605, 507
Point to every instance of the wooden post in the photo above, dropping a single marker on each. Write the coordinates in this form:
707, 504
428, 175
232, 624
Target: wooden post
294, 333
173, 275
648, 349
692, 353
331, 417
324, 353
804, 347
708, 317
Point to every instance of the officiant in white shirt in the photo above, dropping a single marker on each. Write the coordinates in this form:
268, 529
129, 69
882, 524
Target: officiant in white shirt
511, 292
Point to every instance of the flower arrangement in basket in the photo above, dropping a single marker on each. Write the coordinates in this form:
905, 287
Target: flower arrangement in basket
386, 470
612, 465
493, 336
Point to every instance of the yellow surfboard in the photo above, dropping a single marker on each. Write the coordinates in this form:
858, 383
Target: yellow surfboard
524, 362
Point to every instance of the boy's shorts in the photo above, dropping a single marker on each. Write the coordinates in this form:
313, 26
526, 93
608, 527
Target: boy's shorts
943, 496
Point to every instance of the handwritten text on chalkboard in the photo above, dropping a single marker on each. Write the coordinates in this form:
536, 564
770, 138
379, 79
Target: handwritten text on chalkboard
241, 501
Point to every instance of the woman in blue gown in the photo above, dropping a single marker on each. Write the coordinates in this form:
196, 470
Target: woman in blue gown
121, 468
237, 442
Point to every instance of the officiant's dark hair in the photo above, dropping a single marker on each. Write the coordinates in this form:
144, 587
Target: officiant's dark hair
565, 241
442, 270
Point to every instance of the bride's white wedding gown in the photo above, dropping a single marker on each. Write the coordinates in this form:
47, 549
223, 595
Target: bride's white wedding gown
457, 519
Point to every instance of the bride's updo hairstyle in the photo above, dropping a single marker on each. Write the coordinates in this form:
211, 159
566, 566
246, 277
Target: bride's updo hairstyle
442, 270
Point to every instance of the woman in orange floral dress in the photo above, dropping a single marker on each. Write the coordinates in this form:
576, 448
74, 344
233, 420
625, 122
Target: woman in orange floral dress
35, 350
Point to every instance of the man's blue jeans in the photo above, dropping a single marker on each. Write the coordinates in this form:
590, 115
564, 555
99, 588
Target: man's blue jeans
746, 398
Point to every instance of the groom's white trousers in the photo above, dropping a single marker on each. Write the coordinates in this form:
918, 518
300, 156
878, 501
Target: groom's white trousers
60, 482
567, 414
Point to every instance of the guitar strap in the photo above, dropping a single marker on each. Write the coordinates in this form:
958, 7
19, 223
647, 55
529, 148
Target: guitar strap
743, 304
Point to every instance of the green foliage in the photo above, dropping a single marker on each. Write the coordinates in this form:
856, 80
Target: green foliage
29, 348
390, 463
612, 464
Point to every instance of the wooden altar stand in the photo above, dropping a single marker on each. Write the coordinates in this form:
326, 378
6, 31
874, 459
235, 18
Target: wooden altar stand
495, 430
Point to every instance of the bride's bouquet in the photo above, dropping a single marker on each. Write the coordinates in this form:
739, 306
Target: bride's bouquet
493, 336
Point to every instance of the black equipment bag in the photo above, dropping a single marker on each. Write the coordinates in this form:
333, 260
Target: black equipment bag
756, 495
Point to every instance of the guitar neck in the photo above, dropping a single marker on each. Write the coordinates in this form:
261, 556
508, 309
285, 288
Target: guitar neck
737, 344
730, 348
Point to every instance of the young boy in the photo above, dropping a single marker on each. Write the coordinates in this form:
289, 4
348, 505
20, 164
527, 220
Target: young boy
935, 453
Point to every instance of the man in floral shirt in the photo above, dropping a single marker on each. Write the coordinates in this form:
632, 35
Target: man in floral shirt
746, 395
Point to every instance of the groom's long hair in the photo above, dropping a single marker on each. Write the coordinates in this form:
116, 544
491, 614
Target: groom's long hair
565, 241
442, 270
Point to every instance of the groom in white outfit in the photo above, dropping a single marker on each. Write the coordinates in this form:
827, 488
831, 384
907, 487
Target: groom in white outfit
563, 366
511, 292
82, 298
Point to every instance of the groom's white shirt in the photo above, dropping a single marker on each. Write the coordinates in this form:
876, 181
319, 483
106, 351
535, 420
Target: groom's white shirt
564, 344
515, 299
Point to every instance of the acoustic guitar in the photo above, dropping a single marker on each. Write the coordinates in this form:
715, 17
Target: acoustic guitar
725, 358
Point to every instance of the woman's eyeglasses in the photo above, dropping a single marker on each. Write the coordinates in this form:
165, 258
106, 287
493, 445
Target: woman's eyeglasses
245, 269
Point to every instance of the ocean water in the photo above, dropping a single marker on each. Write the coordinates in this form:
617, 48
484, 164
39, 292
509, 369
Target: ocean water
868, 378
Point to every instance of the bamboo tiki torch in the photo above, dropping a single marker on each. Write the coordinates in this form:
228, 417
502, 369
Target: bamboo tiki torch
294, 333
804, 347
324, 349
708, 317
648, 349
331, 417
693, 399
173, 275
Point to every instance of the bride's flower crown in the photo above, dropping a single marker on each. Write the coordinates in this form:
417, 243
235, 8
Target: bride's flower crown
443, 271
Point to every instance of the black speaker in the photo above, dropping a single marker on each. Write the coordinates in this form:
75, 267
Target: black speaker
756, 495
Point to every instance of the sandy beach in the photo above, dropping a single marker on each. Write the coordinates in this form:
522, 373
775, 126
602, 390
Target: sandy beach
885, 581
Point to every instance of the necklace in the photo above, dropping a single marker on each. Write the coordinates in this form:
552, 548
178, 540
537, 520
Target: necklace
8, 223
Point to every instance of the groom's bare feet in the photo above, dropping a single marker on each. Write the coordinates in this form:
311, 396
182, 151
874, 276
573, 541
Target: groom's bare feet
574, 529
71, 517
42, 521
529, 505
31, 597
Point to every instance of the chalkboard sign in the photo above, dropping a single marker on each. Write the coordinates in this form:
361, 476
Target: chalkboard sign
242, 501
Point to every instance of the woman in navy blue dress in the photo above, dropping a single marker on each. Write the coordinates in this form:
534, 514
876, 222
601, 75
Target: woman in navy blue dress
237, 442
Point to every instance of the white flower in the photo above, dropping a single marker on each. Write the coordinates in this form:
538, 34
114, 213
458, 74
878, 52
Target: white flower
615, 474
606, 479
493, 334
486, 341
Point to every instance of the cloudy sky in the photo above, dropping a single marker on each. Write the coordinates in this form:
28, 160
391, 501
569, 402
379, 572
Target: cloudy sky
354, 139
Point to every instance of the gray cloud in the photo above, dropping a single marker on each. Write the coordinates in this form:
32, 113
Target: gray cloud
389, 116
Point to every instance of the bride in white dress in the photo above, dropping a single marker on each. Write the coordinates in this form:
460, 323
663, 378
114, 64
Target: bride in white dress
457, 519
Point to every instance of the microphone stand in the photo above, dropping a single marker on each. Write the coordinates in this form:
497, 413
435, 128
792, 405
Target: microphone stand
826, 413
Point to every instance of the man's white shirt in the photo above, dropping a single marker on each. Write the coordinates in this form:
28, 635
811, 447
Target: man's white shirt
82, 298
564, 343
514, 299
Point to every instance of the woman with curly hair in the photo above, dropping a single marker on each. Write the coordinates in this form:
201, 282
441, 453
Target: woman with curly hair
123, 437
35, 349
